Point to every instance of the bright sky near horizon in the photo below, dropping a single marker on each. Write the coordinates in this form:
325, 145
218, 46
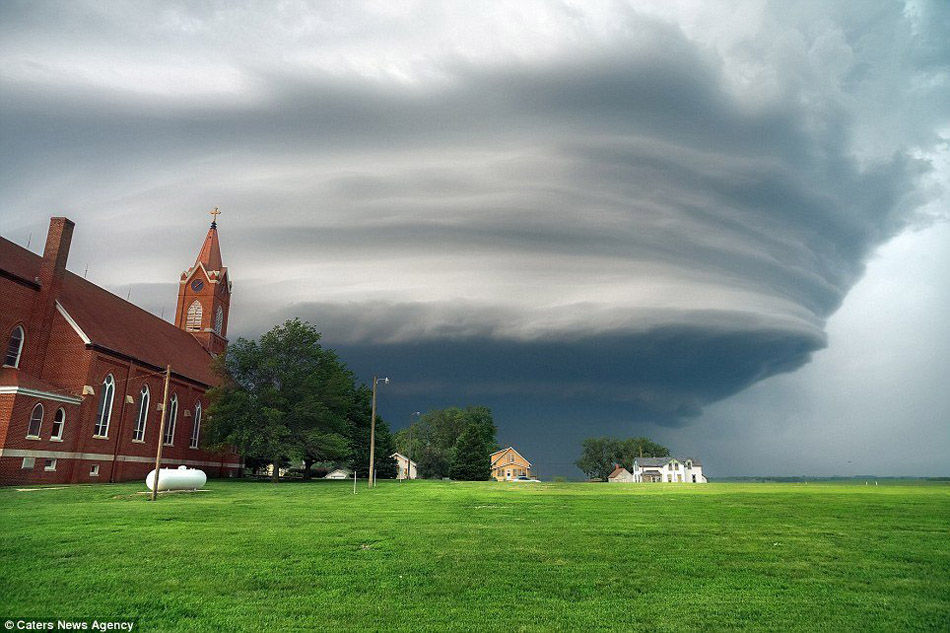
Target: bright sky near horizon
723, 225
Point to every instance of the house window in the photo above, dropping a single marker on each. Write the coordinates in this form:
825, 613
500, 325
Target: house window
28, 463
50, 465
36, 421
14, 347
194, 316
138, 435
218, 320
170, 420
196, 428
694, 478
104, 412
59, 420
94, 470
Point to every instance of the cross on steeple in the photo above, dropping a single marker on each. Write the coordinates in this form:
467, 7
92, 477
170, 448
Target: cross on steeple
214, 217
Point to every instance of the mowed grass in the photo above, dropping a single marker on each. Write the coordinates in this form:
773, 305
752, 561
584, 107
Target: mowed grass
424, 556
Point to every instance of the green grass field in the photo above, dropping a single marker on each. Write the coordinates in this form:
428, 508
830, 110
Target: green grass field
425, 556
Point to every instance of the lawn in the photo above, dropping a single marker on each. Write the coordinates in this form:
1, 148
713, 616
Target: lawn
422, 556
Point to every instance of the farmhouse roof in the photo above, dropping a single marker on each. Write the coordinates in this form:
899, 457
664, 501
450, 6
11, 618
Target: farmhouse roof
401, 456
115, 325
618, 470
644, 462
505, 450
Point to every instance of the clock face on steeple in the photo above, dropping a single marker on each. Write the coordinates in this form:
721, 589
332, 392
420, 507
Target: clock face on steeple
197, 285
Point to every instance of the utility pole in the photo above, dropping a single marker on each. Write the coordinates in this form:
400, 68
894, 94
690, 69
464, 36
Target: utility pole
161, 434
409, 448
372, 434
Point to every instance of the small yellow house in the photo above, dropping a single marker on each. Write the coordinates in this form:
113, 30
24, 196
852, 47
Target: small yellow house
508, 464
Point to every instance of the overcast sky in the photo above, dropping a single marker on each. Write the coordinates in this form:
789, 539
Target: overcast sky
723, 226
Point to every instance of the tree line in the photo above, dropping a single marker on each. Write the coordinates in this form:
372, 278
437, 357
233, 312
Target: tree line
285, 399
600, 455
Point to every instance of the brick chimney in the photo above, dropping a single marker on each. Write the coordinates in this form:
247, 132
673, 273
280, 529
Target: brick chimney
52, 272
58, 239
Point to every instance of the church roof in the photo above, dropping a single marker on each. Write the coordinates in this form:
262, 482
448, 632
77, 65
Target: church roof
115, 324
210, 254
19, 262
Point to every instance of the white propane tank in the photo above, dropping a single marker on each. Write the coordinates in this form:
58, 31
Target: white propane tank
181, 478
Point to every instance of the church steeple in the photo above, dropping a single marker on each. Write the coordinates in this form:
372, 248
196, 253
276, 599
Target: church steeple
210, 253
204, 294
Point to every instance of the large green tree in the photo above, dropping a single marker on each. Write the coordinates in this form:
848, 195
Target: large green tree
597, 457
633, 447
432, 441
282, 397
600, 455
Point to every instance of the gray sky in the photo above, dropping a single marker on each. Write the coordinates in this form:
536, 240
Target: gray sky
720, 225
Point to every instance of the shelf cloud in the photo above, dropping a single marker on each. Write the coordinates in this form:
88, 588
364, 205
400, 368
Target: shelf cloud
638, 209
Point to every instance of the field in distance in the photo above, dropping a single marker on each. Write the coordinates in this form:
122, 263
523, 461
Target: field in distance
421, 555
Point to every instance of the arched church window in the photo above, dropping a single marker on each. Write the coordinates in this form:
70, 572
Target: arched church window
138, 435
14, 347
218, 320
36, 421
59, 421
104, 412
194, 316
170, 420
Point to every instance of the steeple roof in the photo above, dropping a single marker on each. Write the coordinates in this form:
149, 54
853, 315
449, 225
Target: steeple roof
210, 254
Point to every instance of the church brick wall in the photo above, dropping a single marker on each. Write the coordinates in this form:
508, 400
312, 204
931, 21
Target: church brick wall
64, 366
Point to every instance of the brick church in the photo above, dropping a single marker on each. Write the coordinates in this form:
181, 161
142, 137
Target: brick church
83, 373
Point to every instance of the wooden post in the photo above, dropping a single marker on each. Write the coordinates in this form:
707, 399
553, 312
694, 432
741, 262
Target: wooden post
409, 452
354, 481
161, 434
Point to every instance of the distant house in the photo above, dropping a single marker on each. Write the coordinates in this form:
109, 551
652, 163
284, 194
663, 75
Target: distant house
620, 476
668, 469
339, 473
508, 464
404, 465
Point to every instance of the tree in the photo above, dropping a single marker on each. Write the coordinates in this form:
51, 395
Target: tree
598, 457
432, 463
282, 397
471, 461
436, 434
631, 448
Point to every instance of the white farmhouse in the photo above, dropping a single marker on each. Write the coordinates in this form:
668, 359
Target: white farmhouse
668, 469
404, 466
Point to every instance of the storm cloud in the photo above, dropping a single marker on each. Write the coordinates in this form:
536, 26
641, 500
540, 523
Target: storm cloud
549, 208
